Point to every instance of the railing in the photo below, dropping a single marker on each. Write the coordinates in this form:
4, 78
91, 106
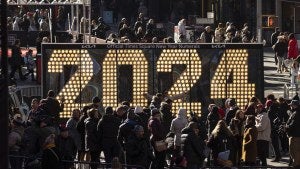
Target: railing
290, 91
35, 163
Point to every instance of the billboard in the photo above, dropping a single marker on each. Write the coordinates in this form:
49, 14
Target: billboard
193, 75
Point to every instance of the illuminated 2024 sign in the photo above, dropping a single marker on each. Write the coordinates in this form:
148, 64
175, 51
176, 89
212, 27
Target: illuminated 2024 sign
149, 69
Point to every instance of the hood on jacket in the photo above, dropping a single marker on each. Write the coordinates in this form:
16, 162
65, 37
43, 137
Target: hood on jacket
181, 113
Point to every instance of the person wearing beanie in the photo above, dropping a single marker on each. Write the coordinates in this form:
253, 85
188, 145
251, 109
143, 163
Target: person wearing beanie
107, 130
157, 134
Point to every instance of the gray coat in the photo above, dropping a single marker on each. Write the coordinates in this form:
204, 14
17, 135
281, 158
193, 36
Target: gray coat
177, 125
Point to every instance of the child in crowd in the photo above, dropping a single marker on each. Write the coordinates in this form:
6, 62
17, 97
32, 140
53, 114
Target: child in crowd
30, 63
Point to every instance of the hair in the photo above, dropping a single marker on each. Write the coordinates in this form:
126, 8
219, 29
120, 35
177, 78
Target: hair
250, 121
92, 112
271, 97
109, 110
34, 100
126, 103
75, 110
221, 127
291, 36
254, 99
51, 93
237, 114
85, 109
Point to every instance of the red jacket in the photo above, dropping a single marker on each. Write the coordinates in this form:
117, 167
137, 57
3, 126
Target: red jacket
293, 49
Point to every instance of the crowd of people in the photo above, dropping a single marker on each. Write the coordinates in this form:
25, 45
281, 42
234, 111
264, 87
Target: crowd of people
136, 28
154, 137
286, 55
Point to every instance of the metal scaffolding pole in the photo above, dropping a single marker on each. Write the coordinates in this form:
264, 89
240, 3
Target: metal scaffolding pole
259, 20
4, 89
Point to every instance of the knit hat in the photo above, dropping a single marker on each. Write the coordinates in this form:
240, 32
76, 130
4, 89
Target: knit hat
154, 112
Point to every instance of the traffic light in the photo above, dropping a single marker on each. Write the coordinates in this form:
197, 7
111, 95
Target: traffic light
272, 21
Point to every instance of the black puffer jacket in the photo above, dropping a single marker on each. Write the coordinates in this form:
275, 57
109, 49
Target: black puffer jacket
138, 151
192, 147
108, 127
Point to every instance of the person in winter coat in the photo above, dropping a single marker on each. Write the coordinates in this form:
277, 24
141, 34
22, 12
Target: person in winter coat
51, 156
283, 117
15, 141
125, 129
237, 128
292, 129
263, 126
293, 51
66, 146
280, 50
71, 125
91, 139
249, 150
251, 107
107, 129
212, 118
30, 63
166, 114
16, 60
52, 106
157, 134
192, 146
177, 125
144, 118
221, 140
272, 107
138, 148
81, 130
231, 110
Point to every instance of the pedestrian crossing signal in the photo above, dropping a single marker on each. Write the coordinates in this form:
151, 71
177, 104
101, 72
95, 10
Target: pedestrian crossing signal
272, 21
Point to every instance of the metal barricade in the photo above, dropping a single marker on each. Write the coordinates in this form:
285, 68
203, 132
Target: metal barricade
289, 91
24, 162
